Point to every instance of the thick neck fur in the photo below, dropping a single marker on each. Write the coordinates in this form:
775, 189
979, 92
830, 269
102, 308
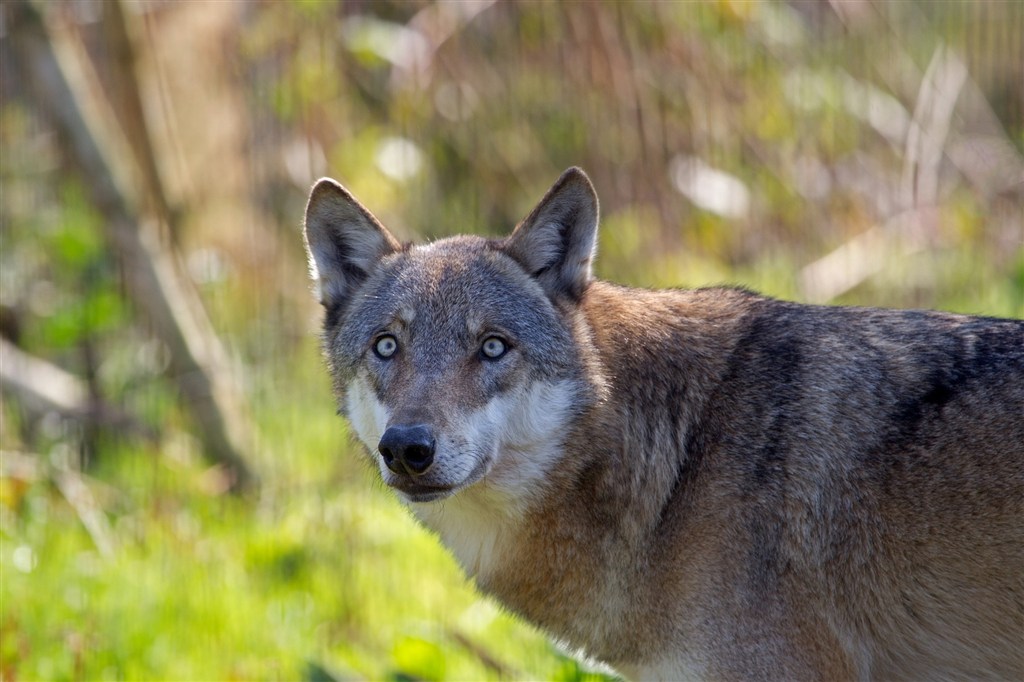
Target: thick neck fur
577, 561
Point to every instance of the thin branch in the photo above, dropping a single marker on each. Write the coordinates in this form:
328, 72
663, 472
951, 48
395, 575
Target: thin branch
865, 255
39, 385
42, 387
81, 499
926, 139
72, 485
484, 656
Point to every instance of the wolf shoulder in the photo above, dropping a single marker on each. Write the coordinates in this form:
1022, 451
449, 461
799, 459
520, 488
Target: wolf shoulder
899, 366
941, 356
878, 345
871, 384
892, 385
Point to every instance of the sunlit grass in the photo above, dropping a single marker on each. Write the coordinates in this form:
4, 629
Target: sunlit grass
324, 575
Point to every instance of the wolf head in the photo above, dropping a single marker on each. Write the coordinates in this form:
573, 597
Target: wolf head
459, 363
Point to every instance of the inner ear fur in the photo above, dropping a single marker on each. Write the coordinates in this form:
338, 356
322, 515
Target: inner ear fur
556, 243
344, 241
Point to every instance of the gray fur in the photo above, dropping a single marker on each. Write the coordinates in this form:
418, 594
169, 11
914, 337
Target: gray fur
694, 484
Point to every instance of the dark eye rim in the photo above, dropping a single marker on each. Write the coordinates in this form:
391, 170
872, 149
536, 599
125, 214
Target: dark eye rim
505, 347
376, 343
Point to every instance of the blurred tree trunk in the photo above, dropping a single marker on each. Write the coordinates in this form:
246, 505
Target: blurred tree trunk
132, 115
155, 283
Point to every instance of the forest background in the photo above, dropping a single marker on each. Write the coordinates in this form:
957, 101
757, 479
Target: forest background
179, 500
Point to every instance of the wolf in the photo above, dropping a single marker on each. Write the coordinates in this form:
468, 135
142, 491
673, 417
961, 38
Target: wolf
686, 484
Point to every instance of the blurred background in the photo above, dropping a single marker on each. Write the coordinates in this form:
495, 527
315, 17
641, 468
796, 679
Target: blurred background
178, 498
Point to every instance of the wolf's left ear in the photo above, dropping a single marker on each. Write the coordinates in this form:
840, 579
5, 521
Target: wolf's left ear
344, 241
557, 242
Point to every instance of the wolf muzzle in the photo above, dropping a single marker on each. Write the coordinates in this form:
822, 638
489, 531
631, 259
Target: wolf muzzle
408, 450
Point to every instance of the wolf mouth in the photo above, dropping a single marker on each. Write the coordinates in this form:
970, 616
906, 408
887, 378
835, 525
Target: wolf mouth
416, 491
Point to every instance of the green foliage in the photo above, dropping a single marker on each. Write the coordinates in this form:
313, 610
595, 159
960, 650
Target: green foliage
74, 261
442, 121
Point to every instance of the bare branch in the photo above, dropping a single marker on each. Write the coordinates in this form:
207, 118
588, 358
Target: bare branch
72, 485
42, 387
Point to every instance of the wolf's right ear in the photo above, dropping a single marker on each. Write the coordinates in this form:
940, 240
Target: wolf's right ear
556, 243
344, 241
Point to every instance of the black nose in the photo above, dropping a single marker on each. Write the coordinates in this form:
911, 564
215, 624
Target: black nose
408, 449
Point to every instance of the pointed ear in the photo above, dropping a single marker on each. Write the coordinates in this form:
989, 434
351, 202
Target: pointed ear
556, 243
344, 242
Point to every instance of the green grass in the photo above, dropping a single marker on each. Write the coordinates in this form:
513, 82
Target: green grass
324, 576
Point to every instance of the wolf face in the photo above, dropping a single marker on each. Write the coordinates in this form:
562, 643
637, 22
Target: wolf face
456, 362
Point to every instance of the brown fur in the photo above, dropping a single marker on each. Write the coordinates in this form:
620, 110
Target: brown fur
864, 528
747, 488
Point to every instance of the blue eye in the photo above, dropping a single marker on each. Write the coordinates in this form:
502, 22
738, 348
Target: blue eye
385, 346
493, 348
